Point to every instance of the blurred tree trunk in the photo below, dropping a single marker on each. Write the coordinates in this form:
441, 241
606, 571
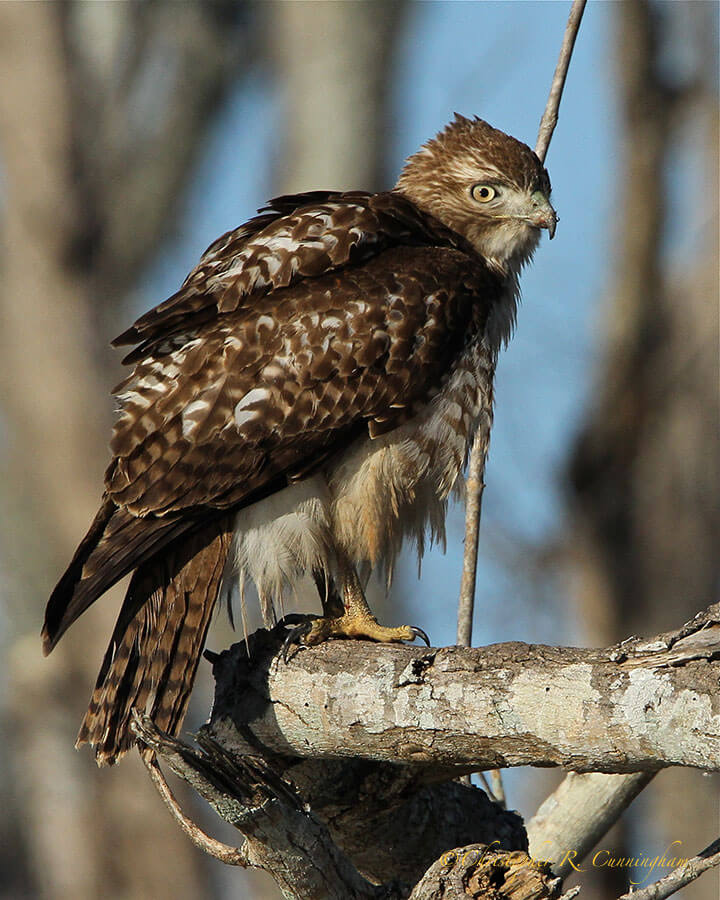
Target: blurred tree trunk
646, 498
94, 154
103, 111
332, 61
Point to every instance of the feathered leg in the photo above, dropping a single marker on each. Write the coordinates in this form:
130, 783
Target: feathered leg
155, 649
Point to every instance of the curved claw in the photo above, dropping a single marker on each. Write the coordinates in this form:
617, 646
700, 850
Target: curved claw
419, 633
294, 636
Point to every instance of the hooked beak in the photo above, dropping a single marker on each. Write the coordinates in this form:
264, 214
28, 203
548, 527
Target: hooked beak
543, 215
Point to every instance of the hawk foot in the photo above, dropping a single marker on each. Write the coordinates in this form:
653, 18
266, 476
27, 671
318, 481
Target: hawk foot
318, 629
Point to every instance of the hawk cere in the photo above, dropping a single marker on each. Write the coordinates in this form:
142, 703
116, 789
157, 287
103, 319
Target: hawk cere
303, 404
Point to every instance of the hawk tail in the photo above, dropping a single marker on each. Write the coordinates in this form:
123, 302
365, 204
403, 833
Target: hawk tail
153, 655
116, 543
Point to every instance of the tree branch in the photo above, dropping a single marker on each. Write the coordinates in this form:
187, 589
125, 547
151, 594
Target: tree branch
550, 116
578, 813
678, 878
474, 487
282, 836
231, 856
285, 838
362, 802
642, 705
280, 734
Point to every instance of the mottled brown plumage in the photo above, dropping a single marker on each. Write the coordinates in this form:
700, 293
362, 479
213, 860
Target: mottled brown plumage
303, 403
158, 639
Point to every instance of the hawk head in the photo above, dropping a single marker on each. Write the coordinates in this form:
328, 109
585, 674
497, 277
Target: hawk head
485, 185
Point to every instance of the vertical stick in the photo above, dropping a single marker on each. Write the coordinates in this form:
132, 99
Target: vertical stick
476, 466
474, 487
550, 116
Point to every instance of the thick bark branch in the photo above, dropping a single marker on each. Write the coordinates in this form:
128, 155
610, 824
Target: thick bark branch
282, 836
362, 802
642, 705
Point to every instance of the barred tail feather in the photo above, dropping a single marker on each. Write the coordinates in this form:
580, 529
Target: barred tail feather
155, 649
116, 543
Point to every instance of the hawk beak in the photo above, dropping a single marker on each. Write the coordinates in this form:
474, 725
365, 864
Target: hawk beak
543, 215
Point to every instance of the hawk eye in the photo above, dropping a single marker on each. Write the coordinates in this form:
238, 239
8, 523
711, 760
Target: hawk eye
483, 192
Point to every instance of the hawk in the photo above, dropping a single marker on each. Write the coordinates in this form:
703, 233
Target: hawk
303, 404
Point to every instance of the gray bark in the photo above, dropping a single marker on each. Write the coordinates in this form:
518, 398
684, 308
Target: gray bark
336, 765
286, 837
641, 705
571, 821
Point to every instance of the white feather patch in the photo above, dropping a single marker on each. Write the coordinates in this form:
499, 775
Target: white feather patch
282, 537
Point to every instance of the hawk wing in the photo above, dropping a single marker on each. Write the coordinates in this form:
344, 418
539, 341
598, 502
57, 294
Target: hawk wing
297, 236
325, 318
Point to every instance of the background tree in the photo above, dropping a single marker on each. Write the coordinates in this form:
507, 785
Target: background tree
645, 468
104, 112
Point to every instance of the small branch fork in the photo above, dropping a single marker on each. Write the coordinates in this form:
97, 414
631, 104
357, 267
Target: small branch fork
231, 856
708, 858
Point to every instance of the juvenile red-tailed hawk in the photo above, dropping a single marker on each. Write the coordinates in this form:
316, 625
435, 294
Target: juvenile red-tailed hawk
303, 403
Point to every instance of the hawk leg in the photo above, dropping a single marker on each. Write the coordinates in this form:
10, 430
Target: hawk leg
347, 615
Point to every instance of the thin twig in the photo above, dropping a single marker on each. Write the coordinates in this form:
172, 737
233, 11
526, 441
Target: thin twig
678, 878
476, 467
473, 499
550, 116
232, 856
